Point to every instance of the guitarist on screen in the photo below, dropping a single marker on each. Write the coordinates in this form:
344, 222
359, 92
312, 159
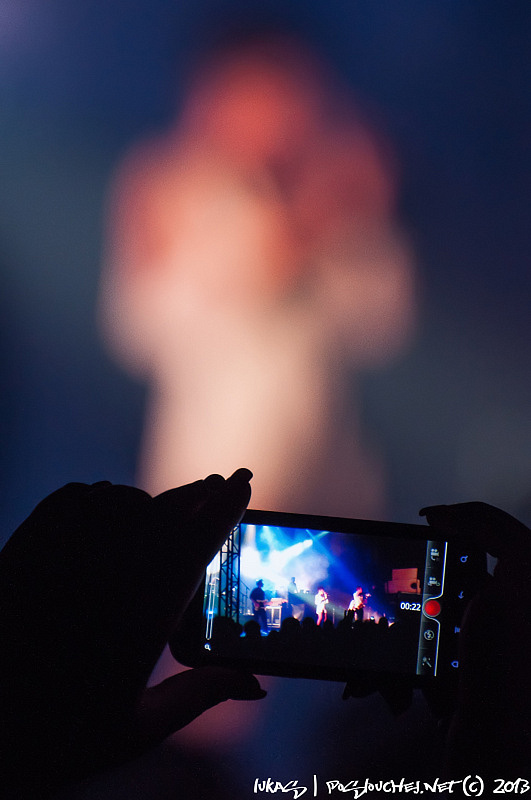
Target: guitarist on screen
258, 600
358, 603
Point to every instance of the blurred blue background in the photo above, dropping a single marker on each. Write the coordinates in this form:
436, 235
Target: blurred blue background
448, 82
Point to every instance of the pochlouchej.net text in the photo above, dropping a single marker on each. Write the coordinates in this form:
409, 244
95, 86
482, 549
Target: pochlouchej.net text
470, 786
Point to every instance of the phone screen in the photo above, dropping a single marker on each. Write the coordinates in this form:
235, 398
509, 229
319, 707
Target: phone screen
320, 597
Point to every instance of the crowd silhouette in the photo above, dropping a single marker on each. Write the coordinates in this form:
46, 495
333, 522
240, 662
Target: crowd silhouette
349, 645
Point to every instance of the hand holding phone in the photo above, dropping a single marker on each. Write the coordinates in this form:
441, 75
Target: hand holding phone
490, 731
91, 586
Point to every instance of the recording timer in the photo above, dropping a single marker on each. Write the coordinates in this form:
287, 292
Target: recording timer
405, 606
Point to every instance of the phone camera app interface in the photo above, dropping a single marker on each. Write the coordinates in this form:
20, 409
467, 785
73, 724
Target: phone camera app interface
320, 598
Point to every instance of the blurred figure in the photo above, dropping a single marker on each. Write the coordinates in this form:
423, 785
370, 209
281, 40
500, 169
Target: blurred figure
358, 603
296, 607
321, 601
258, 600
253, 264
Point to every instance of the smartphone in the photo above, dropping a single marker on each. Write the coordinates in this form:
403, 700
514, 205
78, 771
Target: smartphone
324, 597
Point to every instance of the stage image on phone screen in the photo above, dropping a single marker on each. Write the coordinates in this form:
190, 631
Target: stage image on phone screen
277, 594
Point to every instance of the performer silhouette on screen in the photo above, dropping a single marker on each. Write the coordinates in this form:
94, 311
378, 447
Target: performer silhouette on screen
258, 599
295, 604
358, 603
321, 600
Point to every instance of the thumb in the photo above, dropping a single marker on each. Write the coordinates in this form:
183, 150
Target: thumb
177, 701
499, 533
397, 691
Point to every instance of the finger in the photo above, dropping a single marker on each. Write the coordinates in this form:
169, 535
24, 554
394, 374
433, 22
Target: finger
221, 511
227, 498
184, 501
177, 701
160, 546
141, 559
397, 692
192, 542
490, 729
42, 528
188, 527
491, 708
360, 686
398, 695
441, 698
495, 530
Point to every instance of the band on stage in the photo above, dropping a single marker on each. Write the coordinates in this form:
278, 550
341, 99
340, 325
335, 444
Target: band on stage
300, 604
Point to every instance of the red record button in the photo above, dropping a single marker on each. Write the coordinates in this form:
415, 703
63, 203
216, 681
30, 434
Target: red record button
432, 608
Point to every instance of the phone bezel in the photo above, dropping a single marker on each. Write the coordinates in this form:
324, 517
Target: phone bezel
187, 644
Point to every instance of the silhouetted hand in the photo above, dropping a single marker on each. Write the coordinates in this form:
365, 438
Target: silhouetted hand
490, 711
490, 733
92, 585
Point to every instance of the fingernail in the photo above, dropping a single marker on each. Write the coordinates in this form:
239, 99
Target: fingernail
254, 692
241, 475
214, 482
424, 511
